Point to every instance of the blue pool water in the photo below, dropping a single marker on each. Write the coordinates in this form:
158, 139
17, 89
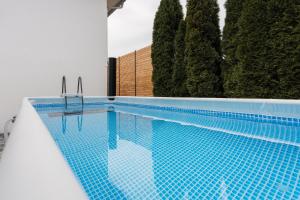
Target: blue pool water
135, 152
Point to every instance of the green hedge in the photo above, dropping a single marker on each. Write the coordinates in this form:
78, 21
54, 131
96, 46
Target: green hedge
260, 56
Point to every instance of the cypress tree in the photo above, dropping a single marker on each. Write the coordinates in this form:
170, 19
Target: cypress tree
166, 23
229, 46
203, 51
179, 69
254, 79
284, 45
267, 54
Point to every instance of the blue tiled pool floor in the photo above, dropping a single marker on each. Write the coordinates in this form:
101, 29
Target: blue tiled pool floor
122, 155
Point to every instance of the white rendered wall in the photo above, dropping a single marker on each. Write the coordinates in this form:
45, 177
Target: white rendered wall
42, 40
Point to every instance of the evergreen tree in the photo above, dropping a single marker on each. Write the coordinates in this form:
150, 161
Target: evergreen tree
254, 80
203, 51
229, 44
166, 23
179, 69
284, 45
267, 53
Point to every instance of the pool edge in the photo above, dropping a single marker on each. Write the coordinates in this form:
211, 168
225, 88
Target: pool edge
32, 166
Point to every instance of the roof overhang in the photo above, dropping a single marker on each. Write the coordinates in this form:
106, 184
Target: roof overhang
112, 5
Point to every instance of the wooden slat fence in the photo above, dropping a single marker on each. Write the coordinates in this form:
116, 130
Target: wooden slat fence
134, 73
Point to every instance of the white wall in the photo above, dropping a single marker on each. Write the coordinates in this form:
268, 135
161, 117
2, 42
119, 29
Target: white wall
42, 40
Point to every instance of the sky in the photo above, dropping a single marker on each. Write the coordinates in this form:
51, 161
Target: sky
130, 28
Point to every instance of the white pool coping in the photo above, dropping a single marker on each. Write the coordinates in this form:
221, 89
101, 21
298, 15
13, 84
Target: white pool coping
32, 167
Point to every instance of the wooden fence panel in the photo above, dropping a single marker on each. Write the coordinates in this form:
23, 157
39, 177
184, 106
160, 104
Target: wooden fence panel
134, 73
127, 75
144, 85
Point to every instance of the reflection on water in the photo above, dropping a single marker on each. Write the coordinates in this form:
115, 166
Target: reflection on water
123, 156
64, 121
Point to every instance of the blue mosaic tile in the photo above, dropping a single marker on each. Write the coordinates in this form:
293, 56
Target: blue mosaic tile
233, 115
242, 116
132, 153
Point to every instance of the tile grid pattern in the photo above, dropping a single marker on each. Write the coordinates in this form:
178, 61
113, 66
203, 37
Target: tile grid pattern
241, 116
187, 162
245, 116
286, 134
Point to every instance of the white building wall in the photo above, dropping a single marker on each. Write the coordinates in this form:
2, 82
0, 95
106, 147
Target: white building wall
42, 40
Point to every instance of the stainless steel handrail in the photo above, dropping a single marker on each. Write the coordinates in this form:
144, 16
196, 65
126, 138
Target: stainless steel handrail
79, 89
64, 86
64, 91
79, 93
79, 86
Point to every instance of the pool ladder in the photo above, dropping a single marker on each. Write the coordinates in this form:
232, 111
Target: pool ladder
78, 95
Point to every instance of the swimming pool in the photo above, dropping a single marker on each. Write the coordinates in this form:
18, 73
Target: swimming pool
133, 149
